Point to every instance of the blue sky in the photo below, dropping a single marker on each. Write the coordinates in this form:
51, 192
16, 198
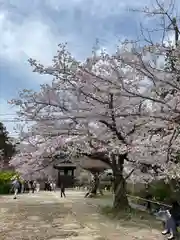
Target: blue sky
33, 28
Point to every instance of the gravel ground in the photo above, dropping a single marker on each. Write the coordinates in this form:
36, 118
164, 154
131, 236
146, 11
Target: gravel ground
45, 216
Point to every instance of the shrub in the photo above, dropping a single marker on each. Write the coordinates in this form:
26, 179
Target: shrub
159, 191
5, 181
5, 188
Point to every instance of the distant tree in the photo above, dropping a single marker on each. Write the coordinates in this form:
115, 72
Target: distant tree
7, 148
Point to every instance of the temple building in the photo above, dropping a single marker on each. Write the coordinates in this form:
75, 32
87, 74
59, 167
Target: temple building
65, 173
69, 172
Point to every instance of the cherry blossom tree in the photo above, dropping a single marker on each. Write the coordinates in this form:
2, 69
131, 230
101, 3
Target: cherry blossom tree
88, 104
158, 66
118, 106
122, 109
32, 160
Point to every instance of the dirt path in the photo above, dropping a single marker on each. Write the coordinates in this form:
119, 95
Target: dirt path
86, 213
40, 217
112, 230
45, 216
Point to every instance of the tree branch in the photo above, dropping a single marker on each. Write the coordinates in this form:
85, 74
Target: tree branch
129, 174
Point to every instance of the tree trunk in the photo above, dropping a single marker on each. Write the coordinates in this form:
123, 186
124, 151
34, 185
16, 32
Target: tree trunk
120, 198
94, 188
94, 185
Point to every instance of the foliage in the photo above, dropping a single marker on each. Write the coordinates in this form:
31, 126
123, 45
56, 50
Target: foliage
159, 191
6, 176
7, 149
5, 188
5, 181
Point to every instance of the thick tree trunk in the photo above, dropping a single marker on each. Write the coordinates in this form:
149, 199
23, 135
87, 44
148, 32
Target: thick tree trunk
94, 185
94, 188
120, 198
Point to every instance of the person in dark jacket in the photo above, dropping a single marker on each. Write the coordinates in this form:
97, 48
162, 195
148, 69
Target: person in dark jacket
32, 184
148, 197
26, 186
173, 219
63, 190
45, 186
175, 211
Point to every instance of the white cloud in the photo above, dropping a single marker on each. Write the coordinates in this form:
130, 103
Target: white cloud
97, 7
31, 38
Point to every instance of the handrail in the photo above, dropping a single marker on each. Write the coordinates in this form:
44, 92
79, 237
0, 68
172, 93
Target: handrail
147, 200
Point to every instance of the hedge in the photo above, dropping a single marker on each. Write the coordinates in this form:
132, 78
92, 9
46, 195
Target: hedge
5, 181
160, 192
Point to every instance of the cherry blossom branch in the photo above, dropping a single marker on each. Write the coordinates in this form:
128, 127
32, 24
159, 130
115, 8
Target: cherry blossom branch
130, 173
175, 133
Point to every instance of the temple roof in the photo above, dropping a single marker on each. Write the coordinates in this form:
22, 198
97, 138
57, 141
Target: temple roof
93, 164
64, 164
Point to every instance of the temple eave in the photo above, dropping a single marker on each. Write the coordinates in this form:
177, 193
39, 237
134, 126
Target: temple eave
64, 166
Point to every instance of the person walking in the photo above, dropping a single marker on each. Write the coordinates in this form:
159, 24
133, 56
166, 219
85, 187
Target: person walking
16, 186
45, 186
33, 186
37, 186
26, 186
29, 186
22, 185
54, 186
63, 190
51, 186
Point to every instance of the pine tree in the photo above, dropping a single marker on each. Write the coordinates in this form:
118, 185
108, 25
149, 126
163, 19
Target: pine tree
7, 148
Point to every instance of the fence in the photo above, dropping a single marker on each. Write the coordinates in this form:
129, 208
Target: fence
152, 202
149, 201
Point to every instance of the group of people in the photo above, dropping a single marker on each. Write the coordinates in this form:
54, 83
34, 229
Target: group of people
31, 185
49, 185
22, 186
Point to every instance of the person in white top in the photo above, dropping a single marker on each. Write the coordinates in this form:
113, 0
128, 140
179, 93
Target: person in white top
37, 186
16, 186
54, 186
